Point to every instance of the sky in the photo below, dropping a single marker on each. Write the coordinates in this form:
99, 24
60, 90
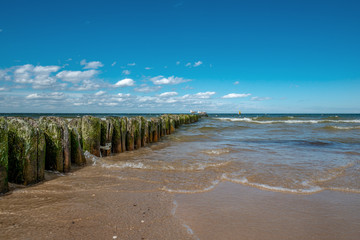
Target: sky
179, 55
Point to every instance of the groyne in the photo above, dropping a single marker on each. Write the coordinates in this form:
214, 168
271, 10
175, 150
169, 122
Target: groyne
29, 146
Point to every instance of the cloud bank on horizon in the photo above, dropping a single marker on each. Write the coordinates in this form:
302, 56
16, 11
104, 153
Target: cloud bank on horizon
143, 56
54, 88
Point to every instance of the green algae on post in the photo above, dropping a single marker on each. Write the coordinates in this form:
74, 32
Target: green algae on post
91, 134
3, 156
129, 135
26, 151
58, 140
137, 132
116, 134
77, 154
123, 125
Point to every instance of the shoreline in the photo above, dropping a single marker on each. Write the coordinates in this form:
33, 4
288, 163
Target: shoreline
92, 203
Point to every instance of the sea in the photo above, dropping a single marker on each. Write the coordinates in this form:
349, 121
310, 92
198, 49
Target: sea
292, 153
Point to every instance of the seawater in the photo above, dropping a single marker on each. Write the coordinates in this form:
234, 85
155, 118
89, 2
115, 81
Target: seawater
302, 153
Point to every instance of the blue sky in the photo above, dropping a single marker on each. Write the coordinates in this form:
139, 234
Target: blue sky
173, 56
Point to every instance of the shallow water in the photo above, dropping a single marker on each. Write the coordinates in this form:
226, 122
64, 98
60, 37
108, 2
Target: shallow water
295, 154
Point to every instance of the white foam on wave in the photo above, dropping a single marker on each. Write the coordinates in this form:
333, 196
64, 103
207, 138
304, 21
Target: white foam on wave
168, 167
346, 128
344, 189
310, 121
217, 151
243, 180
212, 186
91, 157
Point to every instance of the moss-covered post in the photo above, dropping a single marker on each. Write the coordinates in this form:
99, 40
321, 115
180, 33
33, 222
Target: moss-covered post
144, 131
58, 143
3, 156
137, 132
77, 154
116, 135
155, 129
172, 125
129, 135
165, 124
91, 133
41, 149
23, 152
150, 131
182, 119
123, 127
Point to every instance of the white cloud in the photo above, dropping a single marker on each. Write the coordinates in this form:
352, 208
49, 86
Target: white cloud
236, 82
3, 89
124, 95
127, 82
148, 68
1, 30
131, 64
198, 63
161, 80
46, 96
100, 93
91, 65
168, 94
236, 95
145, 88
113, 64
260, 98
76, 76
178, 63
126, 72
86, 86
204, 94
38, 76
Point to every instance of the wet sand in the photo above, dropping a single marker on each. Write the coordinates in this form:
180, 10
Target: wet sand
94, 203
89, 204
233, 211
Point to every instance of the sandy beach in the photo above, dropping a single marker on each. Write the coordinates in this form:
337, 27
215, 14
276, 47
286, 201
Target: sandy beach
85, 204
91, 203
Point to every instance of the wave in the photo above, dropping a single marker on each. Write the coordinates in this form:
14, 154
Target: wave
243, 180
217, 152
337, 128
293, 121
165, 166
206, 189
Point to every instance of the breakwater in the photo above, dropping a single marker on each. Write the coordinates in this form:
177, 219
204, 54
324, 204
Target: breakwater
28, 147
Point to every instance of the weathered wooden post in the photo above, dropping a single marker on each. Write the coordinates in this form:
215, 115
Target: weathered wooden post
77, 154
3, 156
172, 125
91, 134
123, 126
144, 131
58, 139
137, 132
116, 135
26, 152
107, 130
155, 129
129, 135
